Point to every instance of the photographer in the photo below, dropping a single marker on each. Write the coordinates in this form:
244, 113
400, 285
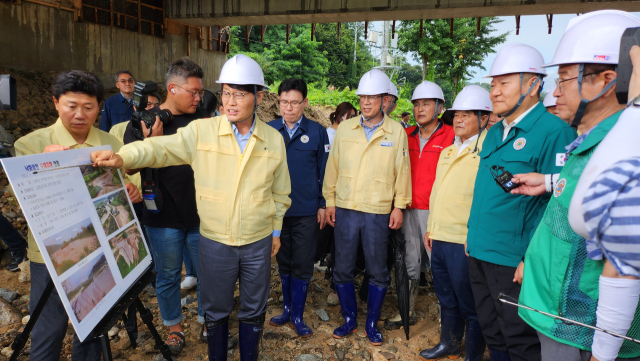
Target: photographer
562, 270
174, 229
77, 96
500, 224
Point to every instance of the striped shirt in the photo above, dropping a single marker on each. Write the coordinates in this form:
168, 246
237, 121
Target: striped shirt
611, 209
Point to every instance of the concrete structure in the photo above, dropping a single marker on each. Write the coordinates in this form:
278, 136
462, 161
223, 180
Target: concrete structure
43, 38
270, 12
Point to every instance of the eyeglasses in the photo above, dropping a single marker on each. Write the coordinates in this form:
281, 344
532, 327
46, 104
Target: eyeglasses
193, 93
294, 104
559, 82
370, 98
236, 95
125, 81
153, 104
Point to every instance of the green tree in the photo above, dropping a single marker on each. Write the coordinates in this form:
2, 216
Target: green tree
450, 57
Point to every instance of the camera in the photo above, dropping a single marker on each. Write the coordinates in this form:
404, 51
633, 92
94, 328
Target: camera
630, 37
8, 92
503, 178
140, 100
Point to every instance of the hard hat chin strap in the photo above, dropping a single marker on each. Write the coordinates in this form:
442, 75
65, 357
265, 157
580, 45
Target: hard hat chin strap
584, 102
379, 111
393, 102
435, 115
255, 108
481, 128
522, 96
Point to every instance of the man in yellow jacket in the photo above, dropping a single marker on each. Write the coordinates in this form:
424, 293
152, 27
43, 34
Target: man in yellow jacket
367, 175
242, 192
446, 235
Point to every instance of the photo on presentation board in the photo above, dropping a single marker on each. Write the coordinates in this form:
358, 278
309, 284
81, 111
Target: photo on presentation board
114, 211
84, 225
86, 287
101, 181
128, 249
71, 245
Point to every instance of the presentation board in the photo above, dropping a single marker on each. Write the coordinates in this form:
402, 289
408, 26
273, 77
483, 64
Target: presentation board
85, 227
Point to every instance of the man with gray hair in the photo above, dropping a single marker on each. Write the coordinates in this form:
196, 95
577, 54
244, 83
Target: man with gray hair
171, 218
118, 108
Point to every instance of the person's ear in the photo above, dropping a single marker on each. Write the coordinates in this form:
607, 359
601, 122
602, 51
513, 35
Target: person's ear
260, 95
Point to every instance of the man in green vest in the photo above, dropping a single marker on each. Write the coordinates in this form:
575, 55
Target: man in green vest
559, 275
500, 224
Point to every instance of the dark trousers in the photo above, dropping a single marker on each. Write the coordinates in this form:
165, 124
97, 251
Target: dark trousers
221, 266
324, 243
51, 328
10, 236
298, 246
502, 327
353, 227
450, 270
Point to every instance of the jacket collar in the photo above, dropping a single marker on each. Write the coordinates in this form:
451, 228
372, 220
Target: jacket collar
66, 139
416, 131
527, 123
304, 124
385, 126
225, 127
601, 130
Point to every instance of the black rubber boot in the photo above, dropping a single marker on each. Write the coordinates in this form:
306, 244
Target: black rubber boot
451, 332
474, 344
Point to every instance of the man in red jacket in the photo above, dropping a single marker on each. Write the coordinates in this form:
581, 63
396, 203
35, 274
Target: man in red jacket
426, 141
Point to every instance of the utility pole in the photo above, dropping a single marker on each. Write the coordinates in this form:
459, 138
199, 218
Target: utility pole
355, 42
385, 44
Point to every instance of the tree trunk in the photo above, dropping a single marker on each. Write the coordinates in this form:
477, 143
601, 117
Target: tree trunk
425, 64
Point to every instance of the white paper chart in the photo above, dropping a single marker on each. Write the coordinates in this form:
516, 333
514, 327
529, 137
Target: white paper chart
85, 227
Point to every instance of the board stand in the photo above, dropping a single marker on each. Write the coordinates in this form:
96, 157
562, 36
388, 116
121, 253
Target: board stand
101, 330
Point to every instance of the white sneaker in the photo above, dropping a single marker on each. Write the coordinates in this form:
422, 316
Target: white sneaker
189, 283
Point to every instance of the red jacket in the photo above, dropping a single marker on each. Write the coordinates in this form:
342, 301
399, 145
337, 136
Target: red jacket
423, 166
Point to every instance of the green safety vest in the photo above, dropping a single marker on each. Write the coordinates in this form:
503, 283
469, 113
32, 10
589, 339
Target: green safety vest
558, 277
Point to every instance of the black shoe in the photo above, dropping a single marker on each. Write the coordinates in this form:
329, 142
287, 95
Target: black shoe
17, 257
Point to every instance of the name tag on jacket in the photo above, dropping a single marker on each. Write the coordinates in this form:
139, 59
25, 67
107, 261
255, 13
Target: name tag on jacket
386, 144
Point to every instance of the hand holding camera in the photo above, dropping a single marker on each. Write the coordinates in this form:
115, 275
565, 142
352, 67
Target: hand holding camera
156, 129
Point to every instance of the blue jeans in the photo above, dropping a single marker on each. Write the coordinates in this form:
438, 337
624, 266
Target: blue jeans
168, 246
192, 270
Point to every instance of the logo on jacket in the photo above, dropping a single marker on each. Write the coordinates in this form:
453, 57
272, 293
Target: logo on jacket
304, 139
519, 143
327, 147
559, 187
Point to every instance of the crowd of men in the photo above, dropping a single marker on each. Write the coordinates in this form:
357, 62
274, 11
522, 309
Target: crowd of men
237, 191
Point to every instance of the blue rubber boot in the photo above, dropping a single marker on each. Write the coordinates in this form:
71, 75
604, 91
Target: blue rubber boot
250, 332
474, 344
376, 297
347, 294
299, 290
217, 338
498, 355
283, 319
451, 331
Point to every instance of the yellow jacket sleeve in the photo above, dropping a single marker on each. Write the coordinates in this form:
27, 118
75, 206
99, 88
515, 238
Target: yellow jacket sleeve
403, 177
281, 188
432, 200
164, 151
331, 172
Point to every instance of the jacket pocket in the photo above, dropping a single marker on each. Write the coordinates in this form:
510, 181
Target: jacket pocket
213, 208
261, 211
343, 187
381, 192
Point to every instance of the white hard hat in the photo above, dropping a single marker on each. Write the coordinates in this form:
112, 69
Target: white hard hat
473, 97
427, 90
241, 70
517, 58
394, 90
374, 82
593, 38
549, 99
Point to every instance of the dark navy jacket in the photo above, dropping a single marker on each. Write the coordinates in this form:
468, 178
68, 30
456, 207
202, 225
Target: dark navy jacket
307, 153
116, 110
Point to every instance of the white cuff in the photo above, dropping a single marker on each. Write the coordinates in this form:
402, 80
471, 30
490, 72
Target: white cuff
548, 178
617, 303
